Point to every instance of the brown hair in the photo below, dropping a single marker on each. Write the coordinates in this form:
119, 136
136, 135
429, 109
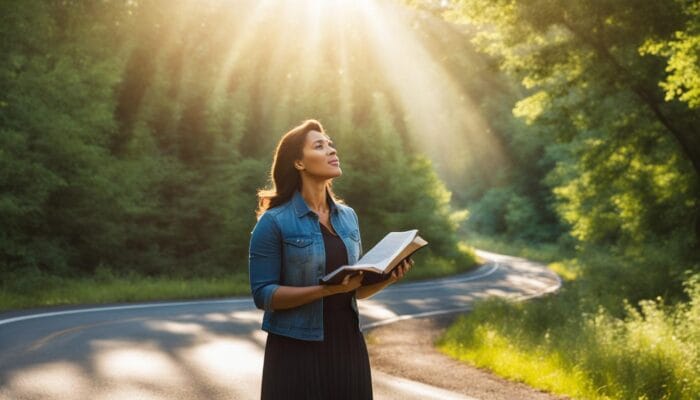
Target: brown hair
284, 177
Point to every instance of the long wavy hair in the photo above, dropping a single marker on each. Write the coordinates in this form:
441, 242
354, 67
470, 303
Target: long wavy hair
284, 178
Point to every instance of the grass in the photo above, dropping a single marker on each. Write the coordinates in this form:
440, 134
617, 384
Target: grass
53, 291
35, 289
488, 348
603, 336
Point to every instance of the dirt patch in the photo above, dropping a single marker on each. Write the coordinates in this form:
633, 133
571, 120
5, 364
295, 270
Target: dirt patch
406, 349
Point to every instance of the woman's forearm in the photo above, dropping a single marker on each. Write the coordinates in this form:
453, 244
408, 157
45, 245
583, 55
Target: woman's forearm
364, 292
293, 296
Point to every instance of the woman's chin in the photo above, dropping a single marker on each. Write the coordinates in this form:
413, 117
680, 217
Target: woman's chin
336, 172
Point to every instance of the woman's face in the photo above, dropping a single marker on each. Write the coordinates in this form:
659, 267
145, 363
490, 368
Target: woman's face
320, 159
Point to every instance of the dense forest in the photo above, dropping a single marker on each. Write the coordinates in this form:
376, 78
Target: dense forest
135, 134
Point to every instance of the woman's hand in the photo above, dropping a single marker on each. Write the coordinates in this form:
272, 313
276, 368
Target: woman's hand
397, 274
401, 270
349, 283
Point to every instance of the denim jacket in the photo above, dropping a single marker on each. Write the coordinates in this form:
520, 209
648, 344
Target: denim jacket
286, 248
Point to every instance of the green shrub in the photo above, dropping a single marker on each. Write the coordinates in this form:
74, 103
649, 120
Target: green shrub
587, 343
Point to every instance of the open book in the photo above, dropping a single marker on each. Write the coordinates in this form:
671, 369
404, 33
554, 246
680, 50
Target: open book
383, 257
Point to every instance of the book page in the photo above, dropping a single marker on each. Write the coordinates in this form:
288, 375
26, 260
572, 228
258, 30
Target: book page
383, 257
416, 244
382, 254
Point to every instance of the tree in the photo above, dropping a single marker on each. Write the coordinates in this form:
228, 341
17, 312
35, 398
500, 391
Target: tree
633, 156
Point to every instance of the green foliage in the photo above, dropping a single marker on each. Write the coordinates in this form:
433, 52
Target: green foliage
566, 345
618, 157
682, 52
57, 201
503, 211
134, 136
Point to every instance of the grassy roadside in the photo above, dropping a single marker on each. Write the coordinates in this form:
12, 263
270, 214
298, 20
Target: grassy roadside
596, 339
40, 290
53, 291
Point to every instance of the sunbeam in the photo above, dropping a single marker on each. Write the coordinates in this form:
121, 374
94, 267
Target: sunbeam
444, 120
267, 65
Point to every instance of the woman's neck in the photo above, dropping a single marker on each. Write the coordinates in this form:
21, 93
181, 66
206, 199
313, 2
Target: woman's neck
314, 194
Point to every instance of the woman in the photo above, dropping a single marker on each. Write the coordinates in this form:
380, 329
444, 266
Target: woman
314, 348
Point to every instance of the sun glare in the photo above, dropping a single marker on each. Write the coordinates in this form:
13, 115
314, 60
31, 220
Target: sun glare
440, 116
295, 47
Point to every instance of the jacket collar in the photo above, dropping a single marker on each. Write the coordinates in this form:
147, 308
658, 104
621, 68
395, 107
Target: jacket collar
302, 209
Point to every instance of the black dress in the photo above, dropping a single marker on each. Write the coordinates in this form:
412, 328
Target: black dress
335, 368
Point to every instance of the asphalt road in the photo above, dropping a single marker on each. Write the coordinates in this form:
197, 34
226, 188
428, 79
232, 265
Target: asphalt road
213, 349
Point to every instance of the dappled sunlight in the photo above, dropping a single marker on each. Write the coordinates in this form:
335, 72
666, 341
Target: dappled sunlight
128, 392
135, 362
496, 292
55, 380
532, 282
247, 315
207, 355
374, 310
216, 317
225, 362
425, 302
259, 336
175, 327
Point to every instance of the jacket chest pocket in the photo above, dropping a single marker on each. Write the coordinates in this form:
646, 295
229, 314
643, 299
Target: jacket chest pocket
298, 252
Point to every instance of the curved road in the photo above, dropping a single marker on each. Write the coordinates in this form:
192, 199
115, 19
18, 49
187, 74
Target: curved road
213, 349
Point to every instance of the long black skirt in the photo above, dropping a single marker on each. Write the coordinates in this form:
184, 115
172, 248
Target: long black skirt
335, 368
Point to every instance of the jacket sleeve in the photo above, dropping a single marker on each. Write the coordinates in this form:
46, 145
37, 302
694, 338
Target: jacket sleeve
265, 261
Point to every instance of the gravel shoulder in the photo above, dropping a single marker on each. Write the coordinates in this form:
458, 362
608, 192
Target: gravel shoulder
406, 349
